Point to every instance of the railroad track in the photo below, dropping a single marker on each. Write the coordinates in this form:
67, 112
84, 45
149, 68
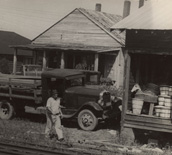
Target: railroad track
17, 148
13, 149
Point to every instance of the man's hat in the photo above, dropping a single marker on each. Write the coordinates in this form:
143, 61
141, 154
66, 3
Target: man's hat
54, 92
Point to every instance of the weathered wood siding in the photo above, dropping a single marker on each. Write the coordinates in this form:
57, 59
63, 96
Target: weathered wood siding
114, 67
146, 122
149, 39
76, 29
119, 69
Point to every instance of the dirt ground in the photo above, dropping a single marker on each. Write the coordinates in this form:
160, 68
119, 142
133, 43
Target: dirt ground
30, 129
31, 125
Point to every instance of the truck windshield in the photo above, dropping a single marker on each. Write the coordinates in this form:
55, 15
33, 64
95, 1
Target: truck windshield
92, 79
74, 82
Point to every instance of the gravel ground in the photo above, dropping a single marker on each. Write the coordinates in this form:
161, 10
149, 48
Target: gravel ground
31, 128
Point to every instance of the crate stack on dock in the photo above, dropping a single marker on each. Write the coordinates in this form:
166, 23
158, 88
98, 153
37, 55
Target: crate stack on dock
164, 107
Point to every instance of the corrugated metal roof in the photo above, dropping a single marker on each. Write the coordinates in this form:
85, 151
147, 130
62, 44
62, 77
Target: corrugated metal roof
153, 15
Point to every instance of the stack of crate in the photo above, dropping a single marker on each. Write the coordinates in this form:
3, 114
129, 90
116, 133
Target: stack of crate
164, 108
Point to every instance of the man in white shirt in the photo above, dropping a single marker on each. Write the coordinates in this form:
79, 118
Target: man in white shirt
54, 114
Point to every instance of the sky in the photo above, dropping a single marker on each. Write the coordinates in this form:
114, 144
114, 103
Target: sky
29, 18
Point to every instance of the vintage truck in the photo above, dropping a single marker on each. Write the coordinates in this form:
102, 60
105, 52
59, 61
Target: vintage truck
88, 103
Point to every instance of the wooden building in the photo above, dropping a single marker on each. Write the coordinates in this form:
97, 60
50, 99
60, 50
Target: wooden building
148, 59
81, 36
11, 38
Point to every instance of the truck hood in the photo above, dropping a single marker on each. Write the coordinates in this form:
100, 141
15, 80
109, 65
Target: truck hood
85, 90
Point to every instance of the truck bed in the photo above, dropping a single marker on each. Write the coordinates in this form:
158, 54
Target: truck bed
23, 87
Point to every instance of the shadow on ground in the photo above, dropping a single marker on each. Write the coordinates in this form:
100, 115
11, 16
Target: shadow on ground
111, 124
70, 123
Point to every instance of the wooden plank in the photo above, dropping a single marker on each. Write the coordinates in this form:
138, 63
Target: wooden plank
151, 51
152, 125
126, 85
147, 128
157, 39
17, 96
151, 108
148, 119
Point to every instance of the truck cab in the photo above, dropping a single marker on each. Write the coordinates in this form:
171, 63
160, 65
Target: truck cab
89, 105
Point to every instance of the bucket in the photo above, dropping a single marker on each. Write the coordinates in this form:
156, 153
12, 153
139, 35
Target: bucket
164, 90
167, 101
162, 111
137, 105
158, 110
170, 91
161, 100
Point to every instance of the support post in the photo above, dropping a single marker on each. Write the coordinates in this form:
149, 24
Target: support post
62, 66
138, 69
125, 86
74, 61
34, 57
44, 60
96, 62
15, 62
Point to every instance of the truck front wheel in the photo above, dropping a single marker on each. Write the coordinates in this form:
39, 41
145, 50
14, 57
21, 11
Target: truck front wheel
87, 120
6, 110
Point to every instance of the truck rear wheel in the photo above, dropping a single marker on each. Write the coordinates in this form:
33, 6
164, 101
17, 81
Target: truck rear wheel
87, 120
6, 110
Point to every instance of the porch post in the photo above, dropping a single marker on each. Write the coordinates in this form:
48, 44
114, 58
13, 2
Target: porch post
34, 57
126, 79
74, 61
44, 60
15, 62
62, 66
96, 62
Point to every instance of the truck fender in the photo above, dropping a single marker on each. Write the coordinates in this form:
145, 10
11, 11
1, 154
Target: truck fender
93, 105
88, 105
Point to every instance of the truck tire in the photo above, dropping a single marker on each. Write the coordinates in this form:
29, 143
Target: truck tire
87, 120
6, 110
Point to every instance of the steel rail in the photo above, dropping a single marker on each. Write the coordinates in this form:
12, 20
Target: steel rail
17, 148
13, 149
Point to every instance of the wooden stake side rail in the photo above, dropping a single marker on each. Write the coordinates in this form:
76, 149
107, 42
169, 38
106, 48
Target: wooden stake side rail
21, 87
148, 123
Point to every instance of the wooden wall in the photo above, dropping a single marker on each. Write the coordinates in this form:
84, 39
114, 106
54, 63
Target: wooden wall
116, 72
149, 39
76, 29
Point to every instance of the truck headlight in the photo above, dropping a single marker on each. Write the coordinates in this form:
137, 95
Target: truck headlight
105, 98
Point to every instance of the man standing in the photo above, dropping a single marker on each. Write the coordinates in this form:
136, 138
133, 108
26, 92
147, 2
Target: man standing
54, 114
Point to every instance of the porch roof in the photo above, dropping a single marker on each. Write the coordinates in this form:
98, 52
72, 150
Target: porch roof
80, 48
